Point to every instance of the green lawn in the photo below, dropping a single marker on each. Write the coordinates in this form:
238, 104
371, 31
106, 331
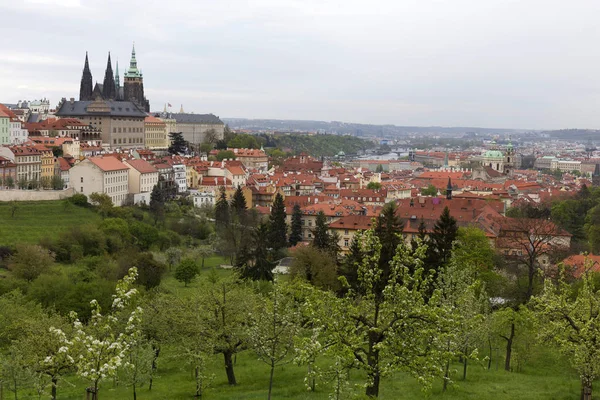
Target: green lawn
35, 220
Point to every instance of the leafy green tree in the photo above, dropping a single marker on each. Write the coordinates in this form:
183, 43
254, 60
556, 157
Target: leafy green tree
374, 185
186, 271
296, 226
30, 261
272, 330
317, 266
379, 168
202, 252
206, 148
150, 271
173, 256
277, 224
10, 182
103, 202
178, 144
226, 154
571, 323
391, 329
57, 182
430, 190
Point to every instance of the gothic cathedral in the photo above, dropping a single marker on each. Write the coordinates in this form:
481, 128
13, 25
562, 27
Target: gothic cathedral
132, 89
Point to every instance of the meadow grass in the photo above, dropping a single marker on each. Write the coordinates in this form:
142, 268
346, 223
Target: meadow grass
34, 220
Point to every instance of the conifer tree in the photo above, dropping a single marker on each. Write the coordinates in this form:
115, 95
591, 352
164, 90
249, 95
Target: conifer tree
321, 237
157, 203
440, 242
254, 260
238, 204
178, 143
222, 210
349, 268
296, 226
277, 225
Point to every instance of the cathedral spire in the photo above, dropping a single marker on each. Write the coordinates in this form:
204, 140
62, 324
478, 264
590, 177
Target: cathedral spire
133, 71
85, 89
108, 88
117, 79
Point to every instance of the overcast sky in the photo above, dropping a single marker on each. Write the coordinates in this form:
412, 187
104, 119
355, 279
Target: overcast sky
489, 63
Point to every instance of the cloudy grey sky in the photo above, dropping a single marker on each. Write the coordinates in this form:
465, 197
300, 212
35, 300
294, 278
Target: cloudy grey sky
490, 63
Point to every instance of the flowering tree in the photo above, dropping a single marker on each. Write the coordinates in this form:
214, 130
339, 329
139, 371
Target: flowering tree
387, 324
101, 347
573, 325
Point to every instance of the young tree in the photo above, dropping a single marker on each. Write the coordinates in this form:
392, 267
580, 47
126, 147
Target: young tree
30, 261
571, 323
100, 348
173, 256
10, 182
227, 305
374, 185
178, 144
186, 271
57, 182
296, 226
157, 204
202, 252
103, 202
390, 329
273, 329
277, 224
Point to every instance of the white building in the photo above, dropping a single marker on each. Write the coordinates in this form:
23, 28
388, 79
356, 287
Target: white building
565, 165
101, 175
180, 177
203, 199
142, 179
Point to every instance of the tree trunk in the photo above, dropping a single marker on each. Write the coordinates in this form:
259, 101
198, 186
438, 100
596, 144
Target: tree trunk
490, 359
374, 373
465, 368
229, 368
153, 369
271, 379
53, 390
198, 385
586, 389
446, 375
509, 342
530, 276
202, 262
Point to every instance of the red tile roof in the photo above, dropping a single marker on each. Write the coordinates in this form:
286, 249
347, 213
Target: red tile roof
142, 166
107, 163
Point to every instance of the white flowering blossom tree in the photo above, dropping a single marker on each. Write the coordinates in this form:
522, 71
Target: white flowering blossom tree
100, 348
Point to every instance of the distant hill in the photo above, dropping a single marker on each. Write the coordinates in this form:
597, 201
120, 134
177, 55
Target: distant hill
346, 128
575, 134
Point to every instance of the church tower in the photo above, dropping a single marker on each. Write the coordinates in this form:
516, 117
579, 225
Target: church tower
133, 85
449, 189
108, 89
85, 89
509, 159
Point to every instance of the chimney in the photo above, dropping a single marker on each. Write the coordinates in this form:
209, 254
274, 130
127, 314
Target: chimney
72, 100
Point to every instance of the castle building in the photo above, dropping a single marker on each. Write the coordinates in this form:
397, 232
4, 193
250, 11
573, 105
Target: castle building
118, 112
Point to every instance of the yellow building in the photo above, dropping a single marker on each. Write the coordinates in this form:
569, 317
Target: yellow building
157, 135
48, 166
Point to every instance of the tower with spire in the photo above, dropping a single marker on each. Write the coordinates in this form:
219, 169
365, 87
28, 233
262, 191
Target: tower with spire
109, 91
449, 189
133, 85
86, 86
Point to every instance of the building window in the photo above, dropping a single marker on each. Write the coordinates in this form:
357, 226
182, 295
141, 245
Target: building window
81, 179
81, 189
345, 242
345, 231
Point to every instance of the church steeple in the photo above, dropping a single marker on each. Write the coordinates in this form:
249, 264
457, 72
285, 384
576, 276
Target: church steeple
133, 71
117, 79
108, 89
449, 189
85, 88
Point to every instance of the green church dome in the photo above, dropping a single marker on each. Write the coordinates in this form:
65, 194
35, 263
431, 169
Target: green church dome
493, 154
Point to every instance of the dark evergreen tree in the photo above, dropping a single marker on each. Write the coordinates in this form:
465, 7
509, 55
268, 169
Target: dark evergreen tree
222, 211
441, 239
349, 267
254, 260
178, 143
238, 204
157, 204
422, 234
321, 237
296, 226
388, 229
277, 224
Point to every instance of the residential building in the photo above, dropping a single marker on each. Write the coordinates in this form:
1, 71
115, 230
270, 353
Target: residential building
29, 163
64, 167
4, 128
8, 173
155, 130
101, 175
143, 176
252, 158
203, 199
180, 177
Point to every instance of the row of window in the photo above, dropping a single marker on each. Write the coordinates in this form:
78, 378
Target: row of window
128, 130
131, 141
115, 189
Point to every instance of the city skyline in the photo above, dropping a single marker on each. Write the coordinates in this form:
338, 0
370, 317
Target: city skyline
416, 63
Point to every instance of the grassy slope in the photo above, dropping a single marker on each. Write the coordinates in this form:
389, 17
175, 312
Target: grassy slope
35, 220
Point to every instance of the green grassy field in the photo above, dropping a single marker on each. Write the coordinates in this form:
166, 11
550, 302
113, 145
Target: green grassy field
35, 220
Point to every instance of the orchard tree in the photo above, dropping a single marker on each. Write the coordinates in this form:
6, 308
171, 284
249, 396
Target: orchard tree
100, 348
272, 330
296, 226
571, 323
390, 326
30, 261
186, 271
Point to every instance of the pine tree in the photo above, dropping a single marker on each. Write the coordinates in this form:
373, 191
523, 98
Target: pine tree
238, 204
388, 229
157, 203
296, 226
321, 237
222, 210
277, 225
422, 234
254, 260
441, 239
178, 143
349, 268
